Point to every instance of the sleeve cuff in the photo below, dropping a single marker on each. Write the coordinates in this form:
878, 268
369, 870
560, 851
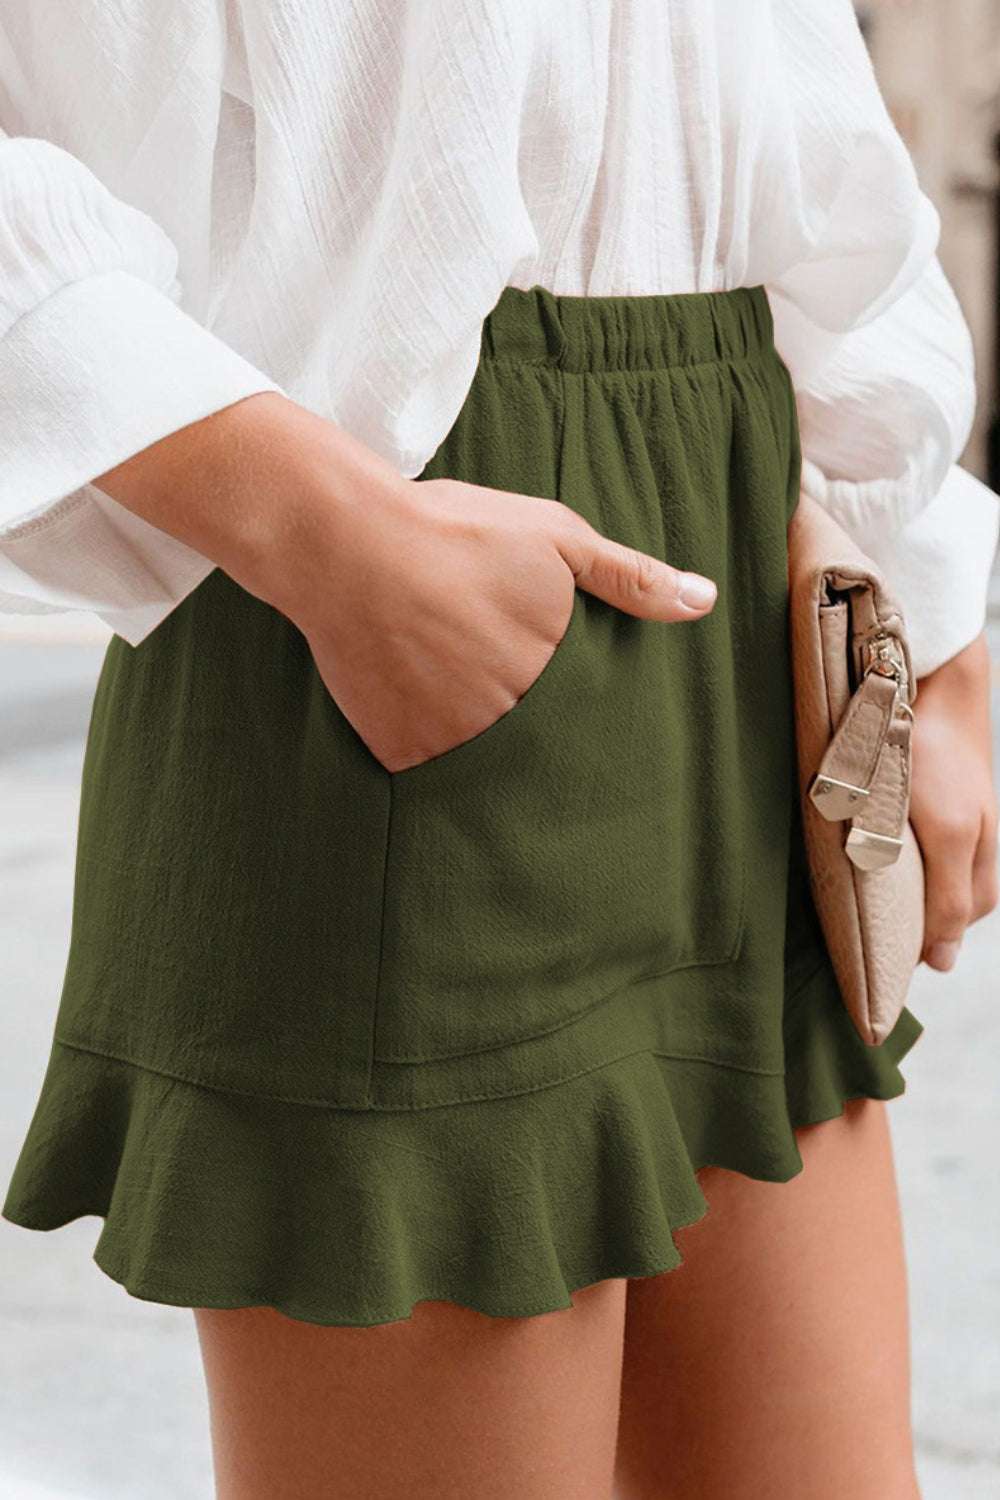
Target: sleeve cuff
91, 376
96, 555
95, 373
938, 566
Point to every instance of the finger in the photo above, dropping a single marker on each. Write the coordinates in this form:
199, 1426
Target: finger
634, 581
984, 868
948, 853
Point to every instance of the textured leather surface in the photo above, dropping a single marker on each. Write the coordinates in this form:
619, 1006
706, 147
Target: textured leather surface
872, 919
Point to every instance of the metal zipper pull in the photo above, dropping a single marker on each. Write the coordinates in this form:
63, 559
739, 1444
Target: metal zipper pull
881, 652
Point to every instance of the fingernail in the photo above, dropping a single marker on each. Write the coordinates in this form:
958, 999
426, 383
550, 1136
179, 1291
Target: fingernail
942, 955
695, 591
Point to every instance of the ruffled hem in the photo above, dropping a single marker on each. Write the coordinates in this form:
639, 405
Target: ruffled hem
351, 1217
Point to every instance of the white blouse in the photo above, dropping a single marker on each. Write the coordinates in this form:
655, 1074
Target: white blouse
201, 199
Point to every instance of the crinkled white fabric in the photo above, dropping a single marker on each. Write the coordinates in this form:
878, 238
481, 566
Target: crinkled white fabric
200, 200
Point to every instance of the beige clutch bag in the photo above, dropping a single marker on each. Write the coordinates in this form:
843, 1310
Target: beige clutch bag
854, 687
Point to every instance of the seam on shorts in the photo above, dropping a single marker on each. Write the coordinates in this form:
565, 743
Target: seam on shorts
576, 1016
387, 1109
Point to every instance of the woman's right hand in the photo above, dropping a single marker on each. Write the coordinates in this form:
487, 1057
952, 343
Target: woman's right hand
430, 606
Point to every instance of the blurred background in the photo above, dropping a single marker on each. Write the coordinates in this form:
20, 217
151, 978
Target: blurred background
938, 64
103, 1394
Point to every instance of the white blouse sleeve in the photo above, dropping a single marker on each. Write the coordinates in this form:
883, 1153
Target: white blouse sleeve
939, 565
878, 349
97, 361
883, 421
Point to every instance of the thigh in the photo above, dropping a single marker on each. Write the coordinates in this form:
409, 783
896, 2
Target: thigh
778, 1352
445, 1404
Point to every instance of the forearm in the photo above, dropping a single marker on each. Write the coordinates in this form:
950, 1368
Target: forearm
258, 487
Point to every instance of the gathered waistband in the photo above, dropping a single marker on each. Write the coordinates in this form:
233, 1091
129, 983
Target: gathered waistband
651, 331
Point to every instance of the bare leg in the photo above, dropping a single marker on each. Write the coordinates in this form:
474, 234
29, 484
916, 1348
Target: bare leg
775, 1360
444, 1405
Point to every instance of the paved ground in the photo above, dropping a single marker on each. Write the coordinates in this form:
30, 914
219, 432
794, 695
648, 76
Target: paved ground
101, 1395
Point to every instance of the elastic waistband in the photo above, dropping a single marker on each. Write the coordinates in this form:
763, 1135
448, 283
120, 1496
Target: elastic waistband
627, 332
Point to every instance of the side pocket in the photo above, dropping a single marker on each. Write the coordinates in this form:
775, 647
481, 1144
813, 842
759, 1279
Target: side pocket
589, 839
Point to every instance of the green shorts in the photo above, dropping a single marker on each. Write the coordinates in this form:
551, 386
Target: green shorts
335, 1039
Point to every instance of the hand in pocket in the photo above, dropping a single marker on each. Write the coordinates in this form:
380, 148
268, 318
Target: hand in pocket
430, 606
447, 609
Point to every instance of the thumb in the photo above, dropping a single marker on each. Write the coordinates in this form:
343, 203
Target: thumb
634, 581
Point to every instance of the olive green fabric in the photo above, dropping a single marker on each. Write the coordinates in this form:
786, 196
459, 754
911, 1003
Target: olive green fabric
334, 1039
